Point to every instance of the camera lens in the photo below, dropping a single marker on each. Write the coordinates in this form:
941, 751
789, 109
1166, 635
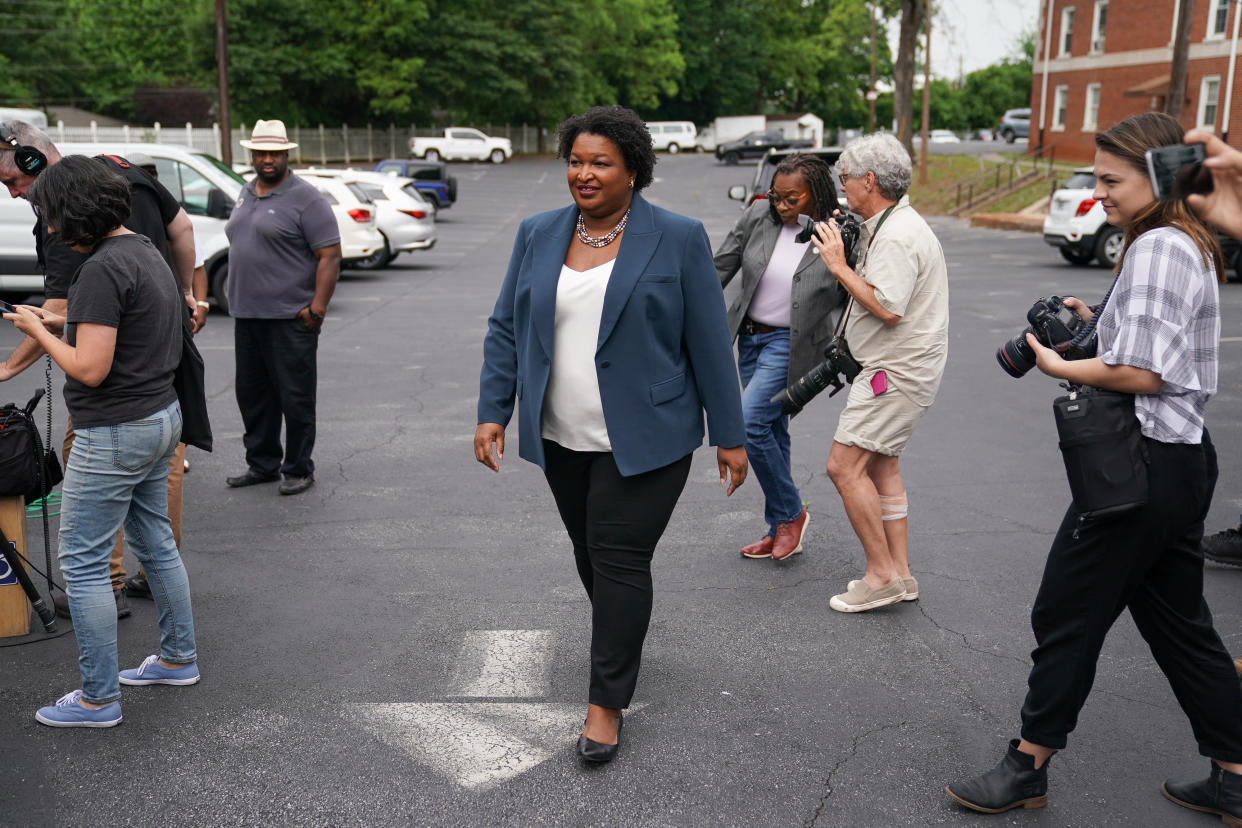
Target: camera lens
807, 387
1016, 356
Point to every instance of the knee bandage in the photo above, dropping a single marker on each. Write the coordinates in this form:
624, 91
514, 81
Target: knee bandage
894, 507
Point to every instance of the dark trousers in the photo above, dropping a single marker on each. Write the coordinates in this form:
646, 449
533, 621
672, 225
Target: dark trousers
1148, 561
615, 523
276, 379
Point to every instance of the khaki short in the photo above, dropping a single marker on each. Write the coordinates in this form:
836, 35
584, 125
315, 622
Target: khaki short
880, 424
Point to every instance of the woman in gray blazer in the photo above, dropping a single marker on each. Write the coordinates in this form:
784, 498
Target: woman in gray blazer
781, 323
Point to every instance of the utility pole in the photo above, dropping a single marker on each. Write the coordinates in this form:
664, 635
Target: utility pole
1176, 97
222, 84
871, 93
926, 99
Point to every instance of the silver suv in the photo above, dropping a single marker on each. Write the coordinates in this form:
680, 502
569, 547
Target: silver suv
1014, 124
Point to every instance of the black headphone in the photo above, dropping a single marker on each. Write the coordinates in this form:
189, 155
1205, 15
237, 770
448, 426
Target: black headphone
29, 160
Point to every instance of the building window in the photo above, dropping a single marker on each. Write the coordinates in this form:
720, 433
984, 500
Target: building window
1097, 25
1060, 105
1091, 112
1209, 97
1218, 16
1067, 30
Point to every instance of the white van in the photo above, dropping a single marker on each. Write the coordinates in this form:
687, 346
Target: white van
206, 188
673, 136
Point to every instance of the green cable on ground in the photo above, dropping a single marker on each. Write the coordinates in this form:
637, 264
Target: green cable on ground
35, 510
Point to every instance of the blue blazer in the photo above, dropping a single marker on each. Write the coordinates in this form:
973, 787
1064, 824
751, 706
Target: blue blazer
664, 353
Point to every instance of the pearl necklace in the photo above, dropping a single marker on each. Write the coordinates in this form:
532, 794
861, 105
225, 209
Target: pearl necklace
604, 240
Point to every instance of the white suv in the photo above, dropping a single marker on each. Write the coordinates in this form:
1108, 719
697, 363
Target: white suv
1076, 223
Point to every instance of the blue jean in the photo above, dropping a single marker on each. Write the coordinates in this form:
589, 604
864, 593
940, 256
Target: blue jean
117, 476
763, 362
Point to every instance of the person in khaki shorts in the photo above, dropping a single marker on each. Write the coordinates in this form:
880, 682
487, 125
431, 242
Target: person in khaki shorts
897, 329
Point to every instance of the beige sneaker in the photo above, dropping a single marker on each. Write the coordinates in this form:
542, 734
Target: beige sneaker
912, 594
861, 597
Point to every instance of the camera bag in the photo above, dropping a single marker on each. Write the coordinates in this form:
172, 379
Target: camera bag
1102, 446
26, 468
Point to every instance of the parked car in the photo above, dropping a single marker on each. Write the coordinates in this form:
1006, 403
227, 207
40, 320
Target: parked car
1076, 224
1015, 124
766, 169
430, 177
205, 186
462, 144
355, 217
404, 218
673, 136
755, 144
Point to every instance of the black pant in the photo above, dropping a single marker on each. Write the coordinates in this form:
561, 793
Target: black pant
276, 379
615, 523
1149, 561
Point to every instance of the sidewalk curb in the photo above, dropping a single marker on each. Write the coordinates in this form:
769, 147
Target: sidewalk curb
1008, 221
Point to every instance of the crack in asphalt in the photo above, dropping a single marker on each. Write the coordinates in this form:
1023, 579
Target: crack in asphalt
966, 641
842, 762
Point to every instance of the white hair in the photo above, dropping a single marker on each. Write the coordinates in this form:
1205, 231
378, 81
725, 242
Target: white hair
882, 154
27, 135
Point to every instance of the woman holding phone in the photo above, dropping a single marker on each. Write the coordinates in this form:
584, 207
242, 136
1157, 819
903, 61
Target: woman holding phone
1159, 332
121, 348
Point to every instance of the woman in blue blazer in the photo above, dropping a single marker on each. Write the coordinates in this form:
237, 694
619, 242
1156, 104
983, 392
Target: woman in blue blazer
611, 331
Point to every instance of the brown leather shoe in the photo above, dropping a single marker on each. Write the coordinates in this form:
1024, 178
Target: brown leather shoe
788, 540
759, 549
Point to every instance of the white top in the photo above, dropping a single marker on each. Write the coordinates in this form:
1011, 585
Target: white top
770, 304
573, 414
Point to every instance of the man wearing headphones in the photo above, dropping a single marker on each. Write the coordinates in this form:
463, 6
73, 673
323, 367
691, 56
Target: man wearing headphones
26, 151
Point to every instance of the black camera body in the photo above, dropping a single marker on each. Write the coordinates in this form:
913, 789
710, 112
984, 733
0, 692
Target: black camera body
838, 362
1054, 326
848, 225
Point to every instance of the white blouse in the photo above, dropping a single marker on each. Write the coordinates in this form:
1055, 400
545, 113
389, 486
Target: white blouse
573, 414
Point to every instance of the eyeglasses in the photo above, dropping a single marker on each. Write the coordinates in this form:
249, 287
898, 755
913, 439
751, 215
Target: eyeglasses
844, 176
790, 201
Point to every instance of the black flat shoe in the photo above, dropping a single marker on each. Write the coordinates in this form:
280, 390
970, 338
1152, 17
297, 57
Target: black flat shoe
593, 751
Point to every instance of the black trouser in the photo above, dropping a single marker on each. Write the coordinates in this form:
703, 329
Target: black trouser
1149, 561
275, 380
615, 523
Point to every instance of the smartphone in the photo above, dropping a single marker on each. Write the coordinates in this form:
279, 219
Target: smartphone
5, 307
1178, 171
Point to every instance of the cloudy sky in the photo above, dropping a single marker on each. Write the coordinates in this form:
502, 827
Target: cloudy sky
972, 34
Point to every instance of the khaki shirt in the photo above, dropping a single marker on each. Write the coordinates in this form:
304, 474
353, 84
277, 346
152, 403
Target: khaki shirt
906, 267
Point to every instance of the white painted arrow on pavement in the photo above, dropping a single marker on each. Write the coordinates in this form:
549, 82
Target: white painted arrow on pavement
479, 744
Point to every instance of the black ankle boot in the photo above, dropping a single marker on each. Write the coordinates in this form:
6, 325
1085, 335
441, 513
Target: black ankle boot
1014, 783
1220, 794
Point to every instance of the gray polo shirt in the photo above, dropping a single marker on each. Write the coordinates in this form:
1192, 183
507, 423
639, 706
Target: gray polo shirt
272, 244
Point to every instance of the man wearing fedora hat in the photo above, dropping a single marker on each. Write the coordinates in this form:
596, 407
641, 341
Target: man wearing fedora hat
284, 259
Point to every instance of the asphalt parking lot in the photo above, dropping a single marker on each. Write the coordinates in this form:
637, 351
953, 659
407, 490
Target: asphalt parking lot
406, 643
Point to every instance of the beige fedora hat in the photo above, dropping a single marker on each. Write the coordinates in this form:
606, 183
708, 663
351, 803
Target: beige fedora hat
269, 135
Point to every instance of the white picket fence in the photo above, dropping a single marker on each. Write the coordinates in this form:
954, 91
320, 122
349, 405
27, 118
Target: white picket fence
320, 144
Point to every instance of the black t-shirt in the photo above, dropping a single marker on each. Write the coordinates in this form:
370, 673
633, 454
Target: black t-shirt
152, 207
125, 284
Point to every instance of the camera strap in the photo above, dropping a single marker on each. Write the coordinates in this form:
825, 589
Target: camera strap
845, 315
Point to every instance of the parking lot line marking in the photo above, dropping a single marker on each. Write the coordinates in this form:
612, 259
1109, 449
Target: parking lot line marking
503, 663
474, 744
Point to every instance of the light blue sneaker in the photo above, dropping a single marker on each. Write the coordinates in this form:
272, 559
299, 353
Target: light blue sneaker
68, 713
150, 671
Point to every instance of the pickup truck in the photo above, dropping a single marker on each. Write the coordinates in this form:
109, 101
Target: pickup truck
755, 144
462, 144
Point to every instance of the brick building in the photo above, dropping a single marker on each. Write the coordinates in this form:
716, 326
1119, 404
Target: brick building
1110, 59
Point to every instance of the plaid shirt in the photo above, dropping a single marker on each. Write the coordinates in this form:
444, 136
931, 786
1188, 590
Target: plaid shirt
1164, 316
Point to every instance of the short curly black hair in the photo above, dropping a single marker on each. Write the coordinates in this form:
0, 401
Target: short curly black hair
621, 126
81, 199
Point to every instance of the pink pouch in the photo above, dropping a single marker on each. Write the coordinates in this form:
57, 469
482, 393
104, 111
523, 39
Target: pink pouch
879, 383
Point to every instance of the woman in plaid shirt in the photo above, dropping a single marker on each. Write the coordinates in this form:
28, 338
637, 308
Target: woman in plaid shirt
1159, 331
